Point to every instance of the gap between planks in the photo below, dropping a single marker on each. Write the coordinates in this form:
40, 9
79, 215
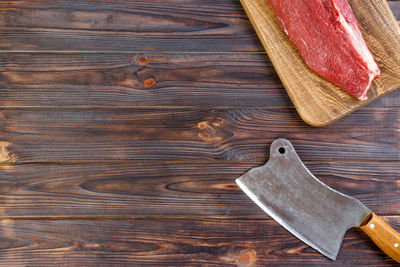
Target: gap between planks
164, 107
127, 52
150, 217
178, 163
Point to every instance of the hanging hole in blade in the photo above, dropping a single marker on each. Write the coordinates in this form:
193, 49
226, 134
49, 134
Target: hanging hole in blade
282, 150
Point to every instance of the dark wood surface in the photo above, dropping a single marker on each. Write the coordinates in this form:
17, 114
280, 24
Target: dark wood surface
125, 123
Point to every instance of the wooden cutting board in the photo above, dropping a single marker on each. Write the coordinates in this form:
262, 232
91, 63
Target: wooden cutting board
318, 101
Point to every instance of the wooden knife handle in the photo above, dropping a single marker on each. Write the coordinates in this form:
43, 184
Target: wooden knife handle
384, 236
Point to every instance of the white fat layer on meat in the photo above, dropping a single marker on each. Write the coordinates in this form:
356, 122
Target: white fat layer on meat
286, 31
360, 44
371, 78
283, 26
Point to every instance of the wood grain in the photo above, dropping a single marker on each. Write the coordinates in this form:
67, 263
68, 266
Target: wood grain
318, 101
211, 241
176, 26
123, 80
54, 135
161, 26
82, 79
133, 189
123, 150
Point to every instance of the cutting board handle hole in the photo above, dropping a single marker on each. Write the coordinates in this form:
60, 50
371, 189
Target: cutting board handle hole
282, 150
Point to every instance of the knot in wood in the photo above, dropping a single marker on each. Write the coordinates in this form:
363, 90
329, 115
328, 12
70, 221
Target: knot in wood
5, 154
143, 60
246, 258
149, 83
212, 131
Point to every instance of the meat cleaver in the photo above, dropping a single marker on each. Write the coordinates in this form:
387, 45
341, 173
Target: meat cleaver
315, 213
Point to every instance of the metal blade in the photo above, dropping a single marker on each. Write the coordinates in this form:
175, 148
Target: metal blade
315, 213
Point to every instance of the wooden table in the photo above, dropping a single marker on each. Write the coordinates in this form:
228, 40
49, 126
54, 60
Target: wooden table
124, 124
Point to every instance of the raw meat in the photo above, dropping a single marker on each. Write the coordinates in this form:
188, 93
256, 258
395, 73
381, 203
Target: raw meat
328, 38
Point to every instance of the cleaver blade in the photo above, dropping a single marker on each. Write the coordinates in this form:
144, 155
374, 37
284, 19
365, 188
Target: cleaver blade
315, 213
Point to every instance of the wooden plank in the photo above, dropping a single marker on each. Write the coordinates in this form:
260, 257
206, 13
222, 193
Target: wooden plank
130, 189
239, 80
54, 135
132, 80
126, 26
211, 241
174, 26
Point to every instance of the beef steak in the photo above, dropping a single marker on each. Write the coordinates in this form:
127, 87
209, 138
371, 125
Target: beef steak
327, 35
